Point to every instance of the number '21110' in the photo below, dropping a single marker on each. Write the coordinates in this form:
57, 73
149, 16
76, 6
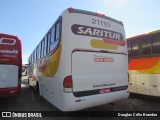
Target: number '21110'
100, 22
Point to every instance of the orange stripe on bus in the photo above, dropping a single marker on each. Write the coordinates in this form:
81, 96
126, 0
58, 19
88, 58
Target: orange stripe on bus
143, 63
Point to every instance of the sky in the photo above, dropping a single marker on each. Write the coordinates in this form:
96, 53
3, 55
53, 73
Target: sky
31, 19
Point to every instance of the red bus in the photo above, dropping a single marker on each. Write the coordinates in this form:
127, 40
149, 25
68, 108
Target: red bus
10, 65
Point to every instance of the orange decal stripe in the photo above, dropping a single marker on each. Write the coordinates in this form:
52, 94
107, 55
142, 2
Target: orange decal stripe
116, 42
143, 63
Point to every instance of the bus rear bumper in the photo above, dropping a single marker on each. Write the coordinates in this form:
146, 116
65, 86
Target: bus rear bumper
74, 104
8, 92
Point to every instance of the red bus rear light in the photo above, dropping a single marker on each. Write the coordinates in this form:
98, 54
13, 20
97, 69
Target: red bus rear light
67, 83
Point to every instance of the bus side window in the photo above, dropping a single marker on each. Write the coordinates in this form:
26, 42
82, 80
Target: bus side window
42, 48
156, 44
39, 49
48, 42
37, 53
57, 31
52, 39
55, 36
146, 46
135, 48
52, 35
33, 56
129, 48
45, 45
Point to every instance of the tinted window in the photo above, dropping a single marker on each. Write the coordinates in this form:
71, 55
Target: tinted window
146, 46
39, 46
129, 48
32, 58
135, 47
35, 55
45, 45
156, 44
56, 37
52, 35
42, 48
48, 41
57, 31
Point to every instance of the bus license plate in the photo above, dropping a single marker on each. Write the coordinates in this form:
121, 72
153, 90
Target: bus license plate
104, 90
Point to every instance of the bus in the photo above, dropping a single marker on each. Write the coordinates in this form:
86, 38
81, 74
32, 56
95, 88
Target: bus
10, 65
81, 61
144, 63
24, 69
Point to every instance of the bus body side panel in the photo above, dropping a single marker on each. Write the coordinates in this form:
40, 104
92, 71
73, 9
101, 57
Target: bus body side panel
50, 88
154, 80
48, 75
139, 82
144, 77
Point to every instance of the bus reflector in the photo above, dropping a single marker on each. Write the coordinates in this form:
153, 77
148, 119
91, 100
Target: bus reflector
78, 100
70, 9
100, 14
67, 83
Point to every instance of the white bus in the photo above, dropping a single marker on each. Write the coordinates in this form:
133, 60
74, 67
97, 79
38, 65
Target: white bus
144, 63
81, 62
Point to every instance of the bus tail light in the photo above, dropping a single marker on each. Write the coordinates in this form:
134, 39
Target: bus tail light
68, 84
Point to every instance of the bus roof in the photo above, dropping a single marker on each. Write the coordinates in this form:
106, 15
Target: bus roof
154, 32
72, 10
9, 35
137, 36
143, 35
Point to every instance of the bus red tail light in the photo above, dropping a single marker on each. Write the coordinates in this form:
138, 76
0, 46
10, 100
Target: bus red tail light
68, 84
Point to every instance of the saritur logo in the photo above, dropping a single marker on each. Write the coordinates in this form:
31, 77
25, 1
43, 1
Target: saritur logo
96, 32
7, 41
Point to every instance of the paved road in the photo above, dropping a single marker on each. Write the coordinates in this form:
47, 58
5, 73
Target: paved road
28, 100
